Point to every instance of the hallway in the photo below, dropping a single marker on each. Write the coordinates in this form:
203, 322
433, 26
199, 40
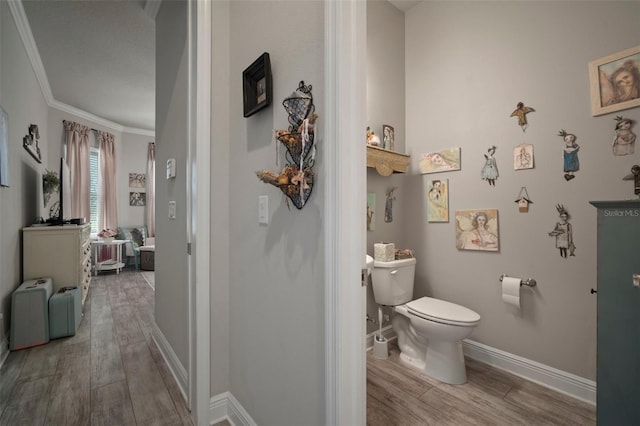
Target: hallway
109, 373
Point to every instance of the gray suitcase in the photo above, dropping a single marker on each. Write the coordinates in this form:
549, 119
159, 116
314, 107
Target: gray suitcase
65, 312
30, 314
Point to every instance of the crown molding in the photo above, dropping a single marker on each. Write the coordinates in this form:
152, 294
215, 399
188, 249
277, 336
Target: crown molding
24, 29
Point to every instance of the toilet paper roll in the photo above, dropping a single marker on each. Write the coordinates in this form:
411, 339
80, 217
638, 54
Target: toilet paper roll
384, 252
511, 291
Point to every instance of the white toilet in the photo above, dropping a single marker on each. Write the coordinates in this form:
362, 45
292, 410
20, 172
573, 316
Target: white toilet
430, 331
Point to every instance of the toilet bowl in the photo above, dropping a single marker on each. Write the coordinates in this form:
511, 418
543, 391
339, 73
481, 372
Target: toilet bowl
430, 331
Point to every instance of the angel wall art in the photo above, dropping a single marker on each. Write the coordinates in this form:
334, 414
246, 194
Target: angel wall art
477, 230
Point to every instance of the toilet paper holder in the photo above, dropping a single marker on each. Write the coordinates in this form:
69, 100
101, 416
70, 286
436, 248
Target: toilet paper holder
529, 282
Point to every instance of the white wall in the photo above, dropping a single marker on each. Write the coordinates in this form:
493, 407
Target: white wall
276, 311
171, 295
385, 105
19, 204
468, 65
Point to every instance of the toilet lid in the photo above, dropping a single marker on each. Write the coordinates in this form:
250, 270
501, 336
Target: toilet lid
442, 311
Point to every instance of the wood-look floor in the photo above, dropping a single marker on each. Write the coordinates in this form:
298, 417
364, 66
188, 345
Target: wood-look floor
400, 395
109, 373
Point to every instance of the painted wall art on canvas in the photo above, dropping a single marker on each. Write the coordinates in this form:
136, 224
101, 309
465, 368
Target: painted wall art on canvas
137, 199
477, 230
442, 161
438, 200
137, 180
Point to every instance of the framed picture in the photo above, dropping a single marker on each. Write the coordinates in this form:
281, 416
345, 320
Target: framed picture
137, 180
523, 157
137, 199
477, 230
256, 85
30, 143
388, 137
443, 161
615, 82
438, 200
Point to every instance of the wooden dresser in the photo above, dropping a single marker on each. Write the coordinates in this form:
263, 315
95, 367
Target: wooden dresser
60, 252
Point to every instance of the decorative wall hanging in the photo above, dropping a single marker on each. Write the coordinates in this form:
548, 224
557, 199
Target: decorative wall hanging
523, 200
477, 230
388, 137
570, 154
4, 148
256, 85
296, 178
563, 233
30, 143
635, 177
625, 140
615, 81
523, 157
438, 200
137, 180
521, 112
388, 205
490, 169
137, 199
443, 161
371, 211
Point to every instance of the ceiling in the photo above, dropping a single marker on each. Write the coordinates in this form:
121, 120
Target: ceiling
99, 57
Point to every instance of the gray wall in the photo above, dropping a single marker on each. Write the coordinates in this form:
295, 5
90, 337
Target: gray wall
276, 310
468, 64
22, 100
171, 267
385, 105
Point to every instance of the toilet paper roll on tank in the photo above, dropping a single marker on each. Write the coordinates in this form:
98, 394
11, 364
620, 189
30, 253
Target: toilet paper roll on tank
384, 252
511, 291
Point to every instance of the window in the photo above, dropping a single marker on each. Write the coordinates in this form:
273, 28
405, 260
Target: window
94, 189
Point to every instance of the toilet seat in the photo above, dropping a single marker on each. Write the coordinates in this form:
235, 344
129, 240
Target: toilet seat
443, 312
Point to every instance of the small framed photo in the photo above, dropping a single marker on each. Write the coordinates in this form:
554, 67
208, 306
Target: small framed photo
388, 137
137, 180
137, 199
257, 85
615, 81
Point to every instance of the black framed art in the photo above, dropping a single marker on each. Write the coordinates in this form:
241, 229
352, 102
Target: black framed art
256, 85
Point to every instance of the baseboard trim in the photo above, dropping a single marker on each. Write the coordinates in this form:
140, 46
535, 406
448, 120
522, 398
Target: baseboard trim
225, 406
170, 357
4, 350
387, 332
558, 380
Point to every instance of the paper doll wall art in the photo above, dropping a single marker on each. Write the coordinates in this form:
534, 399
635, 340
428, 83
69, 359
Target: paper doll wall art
438, 200
523, 157
490, 169
563, 232
570, 154
625, 140
521, 112
477, 230
371, 206
388, 205
443, 161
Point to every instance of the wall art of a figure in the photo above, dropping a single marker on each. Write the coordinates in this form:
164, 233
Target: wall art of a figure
490, 169
625, 140
570, 153
388, 205
563, 233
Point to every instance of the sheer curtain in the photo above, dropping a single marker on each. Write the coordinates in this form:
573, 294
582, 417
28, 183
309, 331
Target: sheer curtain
108, 215
151, 189
77, 141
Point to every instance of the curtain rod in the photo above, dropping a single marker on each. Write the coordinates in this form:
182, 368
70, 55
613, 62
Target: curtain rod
95, 130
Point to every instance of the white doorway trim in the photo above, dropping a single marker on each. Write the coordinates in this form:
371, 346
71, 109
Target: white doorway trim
199, 136
345, 206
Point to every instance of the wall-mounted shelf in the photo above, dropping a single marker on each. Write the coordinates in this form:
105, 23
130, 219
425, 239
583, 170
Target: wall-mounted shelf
387, 162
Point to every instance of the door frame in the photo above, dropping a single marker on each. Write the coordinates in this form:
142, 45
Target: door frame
198, 207
345, 244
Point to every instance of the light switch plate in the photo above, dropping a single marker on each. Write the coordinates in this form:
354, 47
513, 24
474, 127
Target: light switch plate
263, 209
172, 210
171, 168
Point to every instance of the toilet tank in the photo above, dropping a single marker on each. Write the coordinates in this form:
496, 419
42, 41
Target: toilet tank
393, 281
